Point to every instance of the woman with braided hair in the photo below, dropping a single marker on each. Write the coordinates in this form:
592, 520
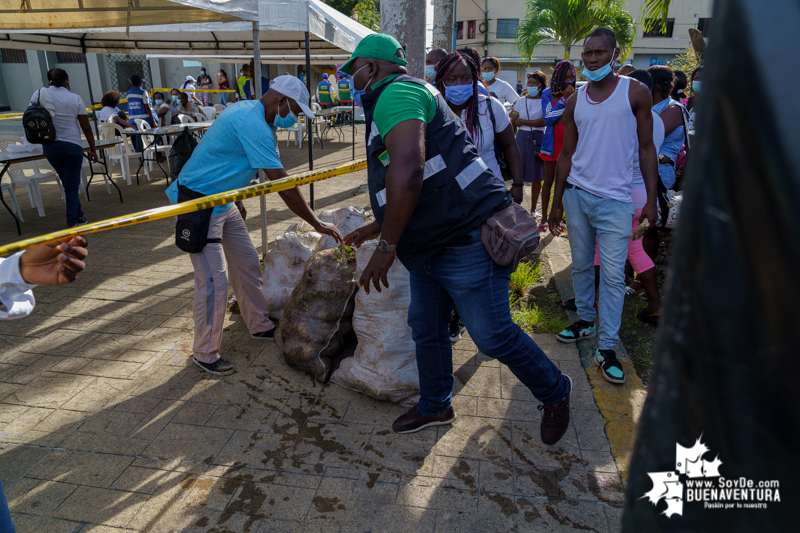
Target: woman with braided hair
554, 100
457, 79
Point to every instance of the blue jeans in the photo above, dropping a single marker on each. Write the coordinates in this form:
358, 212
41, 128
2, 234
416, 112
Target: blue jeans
66, 159
223, 98
592, 219
465, 275
667, 174
6, 524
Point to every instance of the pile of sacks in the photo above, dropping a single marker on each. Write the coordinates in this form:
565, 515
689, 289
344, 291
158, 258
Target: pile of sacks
311, 285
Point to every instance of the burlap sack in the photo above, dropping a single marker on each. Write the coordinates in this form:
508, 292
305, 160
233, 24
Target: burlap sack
346, 219
384, 364
284, 266
318, 315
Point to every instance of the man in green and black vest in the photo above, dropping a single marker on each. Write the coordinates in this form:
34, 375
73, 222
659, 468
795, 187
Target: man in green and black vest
325, 93
345, 98
431, 192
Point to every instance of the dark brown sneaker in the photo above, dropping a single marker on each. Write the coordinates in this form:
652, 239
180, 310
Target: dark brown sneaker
555, 418
413, 420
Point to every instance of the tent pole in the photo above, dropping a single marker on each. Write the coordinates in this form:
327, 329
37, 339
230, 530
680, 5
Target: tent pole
256, 87
354, 127
89, 82
308, 122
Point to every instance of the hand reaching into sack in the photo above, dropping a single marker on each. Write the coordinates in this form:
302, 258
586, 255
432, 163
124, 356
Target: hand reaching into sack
364, 233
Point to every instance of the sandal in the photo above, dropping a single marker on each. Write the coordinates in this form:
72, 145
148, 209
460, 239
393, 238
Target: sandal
646, 318
544, 227
630, 291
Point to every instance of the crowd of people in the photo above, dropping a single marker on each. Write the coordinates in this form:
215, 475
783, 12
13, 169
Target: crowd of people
439, 155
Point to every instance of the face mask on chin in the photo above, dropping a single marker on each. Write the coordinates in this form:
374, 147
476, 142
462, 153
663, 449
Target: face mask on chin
599, 74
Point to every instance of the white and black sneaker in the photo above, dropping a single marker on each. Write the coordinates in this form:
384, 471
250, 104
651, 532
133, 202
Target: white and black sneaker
264, 335
456, 329
220, 367
580, 329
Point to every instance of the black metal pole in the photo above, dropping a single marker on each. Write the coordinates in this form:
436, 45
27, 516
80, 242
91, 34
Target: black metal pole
308, 120
354, 126
91, 93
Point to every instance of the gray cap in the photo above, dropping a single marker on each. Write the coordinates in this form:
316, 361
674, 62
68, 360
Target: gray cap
293, 88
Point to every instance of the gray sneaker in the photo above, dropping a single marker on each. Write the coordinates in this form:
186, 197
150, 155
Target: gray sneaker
220, 367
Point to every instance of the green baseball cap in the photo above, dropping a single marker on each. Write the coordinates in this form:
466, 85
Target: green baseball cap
377, 46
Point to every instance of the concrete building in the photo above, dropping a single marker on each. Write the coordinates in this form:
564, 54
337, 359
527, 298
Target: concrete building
491, 27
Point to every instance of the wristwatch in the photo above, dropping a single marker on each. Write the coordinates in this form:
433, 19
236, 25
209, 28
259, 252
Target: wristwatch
384, 246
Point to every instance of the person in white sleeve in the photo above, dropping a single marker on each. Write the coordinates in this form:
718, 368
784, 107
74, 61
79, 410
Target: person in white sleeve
56, 263
500, 89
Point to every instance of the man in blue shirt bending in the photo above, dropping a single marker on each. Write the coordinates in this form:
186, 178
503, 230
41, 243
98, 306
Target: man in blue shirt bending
237, 145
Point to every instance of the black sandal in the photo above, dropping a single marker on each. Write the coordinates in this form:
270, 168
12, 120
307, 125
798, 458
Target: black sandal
646, 318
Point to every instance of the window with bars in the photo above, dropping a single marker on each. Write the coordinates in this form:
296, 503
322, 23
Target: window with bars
69, 57
471, 29
12, 56
658, 29
507, 28
459, 31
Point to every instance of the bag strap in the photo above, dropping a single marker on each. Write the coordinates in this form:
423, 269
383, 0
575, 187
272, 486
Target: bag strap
491, 114
685, 118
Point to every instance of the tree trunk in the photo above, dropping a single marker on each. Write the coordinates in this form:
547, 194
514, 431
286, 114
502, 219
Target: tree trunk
443, 24
405, 21
566, 52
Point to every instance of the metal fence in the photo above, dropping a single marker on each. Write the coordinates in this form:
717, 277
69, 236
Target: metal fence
121, 67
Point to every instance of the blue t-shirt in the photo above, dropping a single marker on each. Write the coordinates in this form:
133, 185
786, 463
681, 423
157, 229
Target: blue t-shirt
238, 143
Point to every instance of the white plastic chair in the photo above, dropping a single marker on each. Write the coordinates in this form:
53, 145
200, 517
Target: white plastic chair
185, 119
210, 112
9, 188
219, 108
121, 153
153, 149
31, 181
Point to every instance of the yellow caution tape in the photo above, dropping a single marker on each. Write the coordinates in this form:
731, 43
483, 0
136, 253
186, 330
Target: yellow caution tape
157, 90
289, 182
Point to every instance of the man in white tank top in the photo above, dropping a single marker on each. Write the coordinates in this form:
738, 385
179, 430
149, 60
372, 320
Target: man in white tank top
605, 118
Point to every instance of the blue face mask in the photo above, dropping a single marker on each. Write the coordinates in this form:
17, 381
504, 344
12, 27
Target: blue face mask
696, 86
358, 93
487, 76
599, 74
533, 91
458, 94
430, 71
284, 122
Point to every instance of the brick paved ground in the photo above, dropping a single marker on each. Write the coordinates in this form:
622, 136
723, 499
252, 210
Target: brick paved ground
107, 426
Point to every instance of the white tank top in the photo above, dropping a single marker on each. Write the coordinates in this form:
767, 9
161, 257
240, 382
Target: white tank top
603, 160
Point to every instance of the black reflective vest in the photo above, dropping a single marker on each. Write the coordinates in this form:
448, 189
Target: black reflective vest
459, 192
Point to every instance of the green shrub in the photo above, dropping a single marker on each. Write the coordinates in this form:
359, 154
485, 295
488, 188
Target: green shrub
524, 276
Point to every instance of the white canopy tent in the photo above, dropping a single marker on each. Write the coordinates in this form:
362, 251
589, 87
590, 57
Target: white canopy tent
34, 15
282, 28
282, 24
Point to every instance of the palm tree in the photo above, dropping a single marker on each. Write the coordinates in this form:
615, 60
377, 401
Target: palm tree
569, 21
